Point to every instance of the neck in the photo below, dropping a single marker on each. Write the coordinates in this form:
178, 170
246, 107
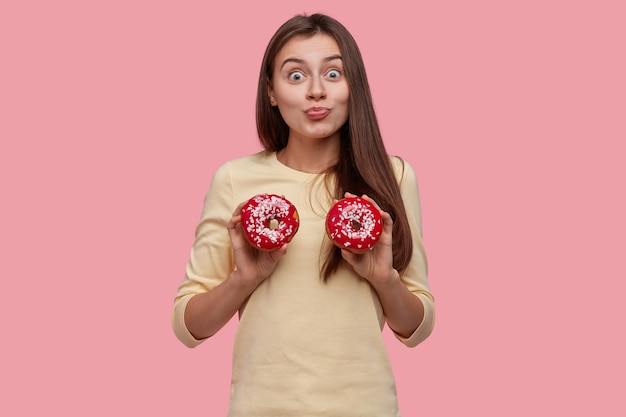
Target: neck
312, 158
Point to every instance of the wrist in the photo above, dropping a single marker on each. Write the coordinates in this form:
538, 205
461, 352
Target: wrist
387, 280
243, 281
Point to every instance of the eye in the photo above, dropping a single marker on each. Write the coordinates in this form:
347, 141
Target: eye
333, 74
296, 76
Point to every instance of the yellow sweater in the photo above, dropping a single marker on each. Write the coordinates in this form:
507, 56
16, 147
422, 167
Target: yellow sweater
303, 347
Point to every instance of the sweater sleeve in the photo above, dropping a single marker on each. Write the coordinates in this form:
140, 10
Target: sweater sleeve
415, 277
211, 258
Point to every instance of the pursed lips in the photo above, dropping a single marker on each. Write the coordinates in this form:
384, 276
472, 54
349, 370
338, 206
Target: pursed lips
317, 113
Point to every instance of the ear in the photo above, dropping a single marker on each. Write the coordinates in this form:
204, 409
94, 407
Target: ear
270, 94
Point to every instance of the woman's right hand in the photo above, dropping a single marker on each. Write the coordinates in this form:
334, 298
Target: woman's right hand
252, 265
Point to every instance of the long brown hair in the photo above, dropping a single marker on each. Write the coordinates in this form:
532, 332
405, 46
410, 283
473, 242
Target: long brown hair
364, 166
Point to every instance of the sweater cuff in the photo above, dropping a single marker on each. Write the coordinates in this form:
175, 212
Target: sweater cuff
426, 326
178, 323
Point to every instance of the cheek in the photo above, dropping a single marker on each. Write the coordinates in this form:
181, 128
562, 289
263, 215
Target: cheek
343, 99
343, 95
286, 101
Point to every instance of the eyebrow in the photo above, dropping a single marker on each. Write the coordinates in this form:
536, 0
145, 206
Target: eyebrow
301, 61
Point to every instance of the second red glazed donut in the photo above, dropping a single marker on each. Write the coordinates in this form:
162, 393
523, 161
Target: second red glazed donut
354, 223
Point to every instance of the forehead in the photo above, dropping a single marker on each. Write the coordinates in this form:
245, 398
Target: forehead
308, 48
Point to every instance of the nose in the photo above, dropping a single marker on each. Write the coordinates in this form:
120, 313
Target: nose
316, 89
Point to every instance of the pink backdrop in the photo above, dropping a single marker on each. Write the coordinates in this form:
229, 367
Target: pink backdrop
114, 115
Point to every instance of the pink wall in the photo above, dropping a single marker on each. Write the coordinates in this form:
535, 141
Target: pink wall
114, 115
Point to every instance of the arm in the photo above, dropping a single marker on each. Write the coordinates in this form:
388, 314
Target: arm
223, 269
406, 300
404, 312
206, 313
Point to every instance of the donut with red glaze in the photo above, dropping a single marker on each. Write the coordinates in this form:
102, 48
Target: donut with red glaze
269, 221
354, 223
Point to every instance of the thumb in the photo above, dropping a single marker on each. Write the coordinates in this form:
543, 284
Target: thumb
348, 256
279, 253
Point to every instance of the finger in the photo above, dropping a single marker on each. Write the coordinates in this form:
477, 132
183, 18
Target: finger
387, 220
366, 197
238, 208
348, 256
232, 223
280, 252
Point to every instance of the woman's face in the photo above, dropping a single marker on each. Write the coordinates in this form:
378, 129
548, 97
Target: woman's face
309, 87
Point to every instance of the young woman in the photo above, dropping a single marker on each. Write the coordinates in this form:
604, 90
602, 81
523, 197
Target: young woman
309, 339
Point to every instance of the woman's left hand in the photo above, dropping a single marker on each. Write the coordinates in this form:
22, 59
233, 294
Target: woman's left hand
403, 311
375, 265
